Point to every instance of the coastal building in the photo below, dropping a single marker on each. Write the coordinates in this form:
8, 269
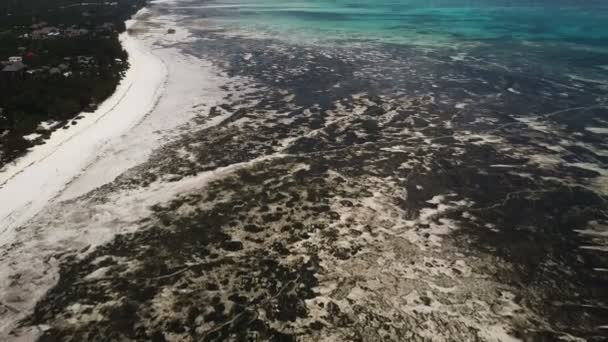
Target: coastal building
85, 60
106, 27
14, 68
12, 72
75, 32
46, 32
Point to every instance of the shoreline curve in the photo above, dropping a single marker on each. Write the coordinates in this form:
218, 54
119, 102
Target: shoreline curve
35, 179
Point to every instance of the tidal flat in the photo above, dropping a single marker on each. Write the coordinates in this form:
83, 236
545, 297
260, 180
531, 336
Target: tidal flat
360, 189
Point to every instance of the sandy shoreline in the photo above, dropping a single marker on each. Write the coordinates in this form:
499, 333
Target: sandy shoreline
287, 192
47, 205
36, 180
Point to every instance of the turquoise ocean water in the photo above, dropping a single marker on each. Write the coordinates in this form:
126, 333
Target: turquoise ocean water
421, 21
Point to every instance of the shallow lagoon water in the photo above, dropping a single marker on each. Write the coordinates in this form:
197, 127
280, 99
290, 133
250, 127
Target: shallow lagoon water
420, 21
374, 171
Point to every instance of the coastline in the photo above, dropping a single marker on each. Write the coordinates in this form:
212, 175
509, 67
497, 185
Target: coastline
46, 169
285, 192
35, 180
163, 91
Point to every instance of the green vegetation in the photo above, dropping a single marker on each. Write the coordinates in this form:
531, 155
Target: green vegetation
16, 13
72, 61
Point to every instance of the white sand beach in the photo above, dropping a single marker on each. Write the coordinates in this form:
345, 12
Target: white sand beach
294, 185
35, 179
156, 96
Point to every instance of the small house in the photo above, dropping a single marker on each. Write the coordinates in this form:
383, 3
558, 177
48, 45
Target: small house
85, 60
13, 71
76, 32
106, 27
46, 32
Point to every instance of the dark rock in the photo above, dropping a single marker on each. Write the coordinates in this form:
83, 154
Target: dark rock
252, 228
232, 246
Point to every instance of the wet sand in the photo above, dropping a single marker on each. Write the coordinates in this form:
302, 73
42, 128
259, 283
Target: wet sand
340, 193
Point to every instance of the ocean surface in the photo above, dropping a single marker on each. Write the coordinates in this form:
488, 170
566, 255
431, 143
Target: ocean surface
421, 21
368, 171
563, 36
